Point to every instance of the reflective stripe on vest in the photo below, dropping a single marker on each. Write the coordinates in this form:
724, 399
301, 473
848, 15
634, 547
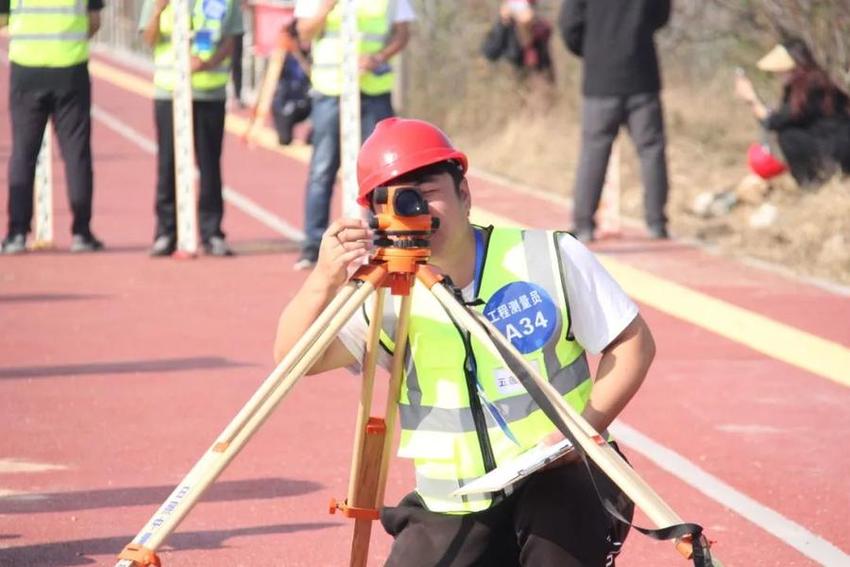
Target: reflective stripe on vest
438, 428
48, 33
163, 55
374, 25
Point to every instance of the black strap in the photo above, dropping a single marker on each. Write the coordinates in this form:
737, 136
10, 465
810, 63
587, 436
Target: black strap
701, 556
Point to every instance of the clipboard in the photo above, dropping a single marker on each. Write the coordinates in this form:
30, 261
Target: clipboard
516, 469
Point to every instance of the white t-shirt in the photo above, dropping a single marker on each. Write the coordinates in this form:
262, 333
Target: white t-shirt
599, 308
400, 10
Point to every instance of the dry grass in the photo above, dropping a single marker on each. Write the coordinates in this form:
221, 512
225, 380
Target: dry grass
533, 137
529, 131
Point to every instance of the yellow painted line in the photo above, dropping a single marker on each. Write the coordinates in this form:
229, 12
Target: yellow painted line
774, 339
234, 124
119, 78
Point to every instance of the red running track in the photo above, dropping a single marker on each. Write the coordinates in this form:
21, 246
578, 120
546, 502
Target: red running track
117, 371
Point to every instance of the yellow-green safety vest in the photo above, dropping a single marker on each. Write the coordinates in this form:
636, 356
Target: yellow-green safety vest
48, 33
163, 54
436, 413
375, 27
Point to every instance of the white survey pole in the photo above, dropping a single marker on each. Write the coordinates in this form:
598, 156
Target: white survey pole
184, 139
43, 197
349, 111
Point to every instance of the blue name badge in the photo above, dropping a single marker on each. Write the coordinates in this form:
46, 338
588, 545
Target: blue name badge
203, 41
524, 313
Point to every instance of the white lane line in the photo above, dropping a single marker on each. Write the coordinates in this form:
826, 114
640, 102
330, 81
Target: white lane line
19, 496
265, 216
766, 518
238, 200
13, 465
777, 525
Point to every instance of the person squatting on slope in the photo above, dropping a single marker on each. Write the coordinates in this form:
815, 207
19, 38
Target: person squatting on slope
547, 284
215, 23
812, 123
520, 36
49, 80
384, 28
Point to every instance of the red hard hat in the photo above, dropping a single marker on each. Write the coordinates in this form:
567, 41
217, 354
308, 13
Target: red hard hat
762, 162
399, 146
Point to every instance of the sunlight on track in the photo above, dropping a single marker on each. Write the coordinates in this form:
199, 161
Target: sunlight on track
12, 465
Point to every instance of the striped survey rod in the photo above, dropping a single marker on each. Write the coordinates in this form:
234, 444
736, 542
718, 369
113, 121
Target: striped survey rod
349, 112
43, 198
184, 138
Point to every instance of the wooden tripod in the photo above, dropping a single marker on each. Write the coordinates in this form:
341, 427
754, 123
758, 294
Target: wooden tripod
396, 269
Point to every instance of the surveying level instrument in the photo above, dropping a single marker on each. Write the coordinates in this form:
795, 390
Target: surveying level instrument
43, 199
403, 227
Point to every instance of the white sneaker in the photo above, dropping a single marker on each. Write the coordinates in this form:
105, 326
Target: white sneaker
304, 264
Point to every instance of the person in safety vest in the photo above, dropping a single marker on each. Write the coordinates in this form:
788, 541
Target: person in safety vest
383, 27
550, 296
49, 80
214, 25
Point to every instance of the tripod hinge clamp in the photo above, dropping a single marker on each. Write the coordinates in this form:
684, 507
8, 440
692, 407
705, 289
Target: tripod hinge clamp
353, 511
140, 555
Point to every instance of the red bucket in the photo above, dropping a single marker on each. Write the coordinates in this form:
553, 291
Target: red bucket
269, 17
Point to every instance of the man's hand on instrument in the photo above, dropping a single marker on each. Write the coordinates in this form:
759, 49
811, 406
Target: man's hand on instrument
346, 241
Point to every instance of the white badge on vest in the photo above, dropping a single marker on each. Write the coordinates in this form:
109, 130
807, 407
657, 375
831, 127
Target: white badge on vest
214, 9
507, 383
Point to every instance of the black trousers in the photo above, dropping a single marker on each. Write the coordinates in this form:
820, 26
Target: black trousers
70, 109
236, 64
208, 127
555, 519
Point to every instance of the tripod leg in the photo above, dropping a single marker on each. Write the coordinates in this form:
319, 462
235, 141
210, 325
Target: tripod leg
394, 392
370, 468
368, 442
568, 421
239, 431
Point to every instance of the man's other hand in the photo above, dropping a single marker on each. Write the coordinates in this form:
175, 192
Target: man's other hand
345, 242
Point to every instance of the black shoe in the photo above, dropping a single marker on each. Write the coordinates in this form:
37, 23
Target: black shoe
164, 245
217, 246
81, 243
14, 244
658, 232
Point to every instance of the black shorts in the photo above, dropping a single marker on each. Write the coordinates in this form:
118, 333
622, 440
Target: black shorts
554, 519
